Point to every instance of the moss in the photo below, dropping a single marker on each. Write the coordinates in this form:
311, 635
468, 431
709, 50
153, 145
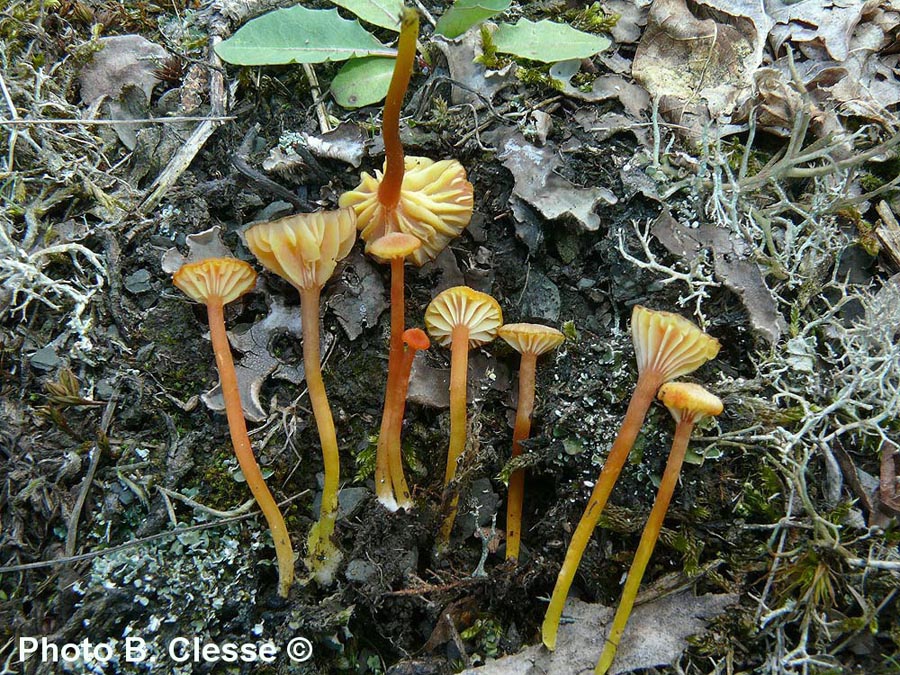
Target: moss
489, 57
592, 19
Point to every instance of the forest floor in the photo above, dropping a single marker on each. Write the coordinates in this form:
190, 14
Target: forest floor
761, 205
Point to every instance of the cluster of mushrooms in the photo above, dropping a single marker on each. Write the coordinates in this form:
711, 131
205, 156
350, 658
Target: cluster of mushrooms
409, 213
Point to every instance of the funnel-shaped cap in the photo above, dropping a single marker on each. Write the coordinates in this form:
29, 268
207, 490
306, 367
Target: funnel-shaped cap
435, 205
531, 338
304, 248
224, 278
689, 401
463, 306
669, 345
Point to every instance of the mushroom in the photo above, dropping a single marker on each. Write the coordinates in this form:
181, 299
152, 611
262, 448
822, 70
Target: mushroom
215, 282
667, 346
304, 250
414, 340
394, 247
429, 200
530, 340
415, 196
688, 403
460, 317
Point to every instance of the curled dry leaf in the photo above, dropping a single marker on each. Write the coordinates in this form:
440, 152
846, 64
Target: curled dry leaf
700, 68
257, 362
733, 265
465, 70
536, 182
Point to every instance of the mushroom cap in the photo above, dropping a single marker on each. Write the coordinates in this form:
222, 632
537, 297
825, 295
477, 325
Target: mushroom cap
416, 338
304, 248
689, 401
462, 305
531, 338
669, 344
394, 245
224, 278
435, 205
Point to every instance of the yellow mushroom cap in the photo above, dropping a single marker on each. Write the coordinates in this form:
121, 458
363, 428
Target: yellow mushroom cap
435, 205
531, 338
394, 245
669, 344
463, 306
689, 401
304, 248
224, 278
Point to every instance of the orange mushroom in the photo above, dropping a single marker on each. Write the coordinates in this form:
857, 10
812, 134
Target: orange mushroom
304, 250
530, 340
391, 489
667, 346
415, 196
688, 403
215, 282
414, 340
460, 317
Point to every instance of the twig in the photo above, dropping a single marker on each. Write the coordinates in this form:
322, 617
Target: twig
243, 508
72, 534
316, 92
107, 122
13, 135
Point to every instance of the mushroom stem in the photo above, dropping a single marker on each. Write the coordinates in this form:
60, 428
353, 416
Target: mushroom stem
522, 429
459, 365
389, 190
648, 542
322, 556
398, 407
386, 483
242, 448
648, 382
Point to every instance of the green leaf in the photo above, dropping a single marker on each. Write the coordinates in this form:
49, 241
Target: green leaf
466, 13
299, 35
362, 82
383, 13
547, 41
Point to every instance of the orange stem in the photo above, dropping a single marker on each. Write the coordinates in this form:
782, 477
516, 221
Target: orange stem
521, 431
242, 448
459, 365
386, 483
648, 542
323, 556
647, 384
389, 190
398, 407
